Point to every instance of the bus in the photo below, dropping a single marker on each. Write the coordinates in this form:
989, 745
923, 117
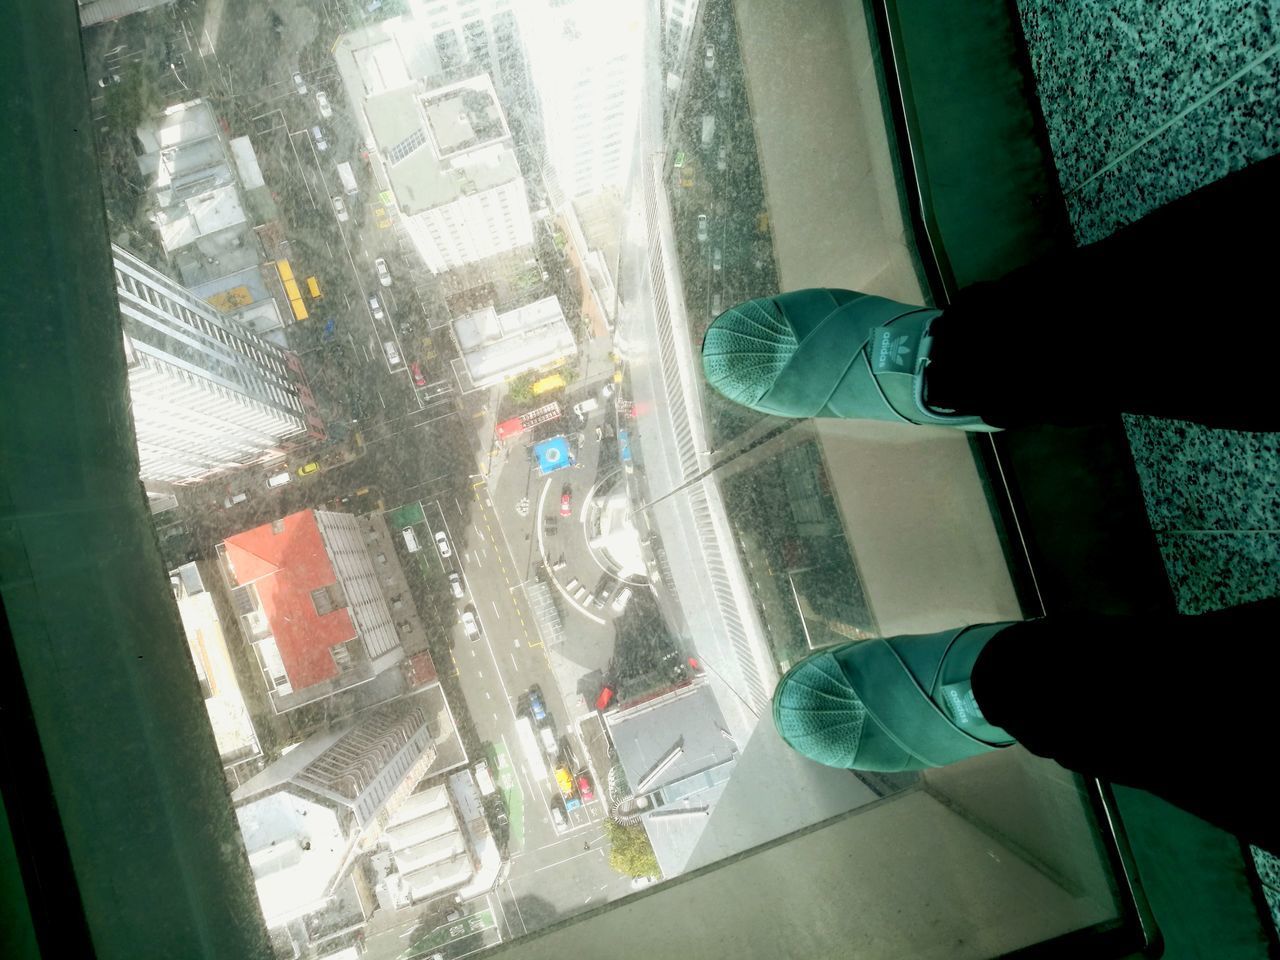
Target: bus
624, 449
291, 290
532, 751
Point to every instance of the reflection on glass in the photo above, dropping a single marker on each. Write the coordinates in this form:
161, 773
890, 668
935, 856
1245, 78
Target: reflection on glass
486, 593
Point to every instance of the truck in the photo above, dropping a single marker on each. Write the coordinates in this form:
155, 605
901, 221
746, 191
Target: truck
565, 781
549, 744
484, 780
708, 129
348, 178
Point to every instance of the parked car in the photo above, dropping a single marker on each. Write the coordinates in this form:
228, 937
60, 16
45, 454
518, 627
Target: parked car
455, 586
620, 601
709, 58
340, 208
299, 84
235, 498
308, 468
376, 308
442, 544
109, 80
418, 379
322, 101
702, 228
537, 706
557, 817
584, 788
566, 502
393, 355
384, 275
279, 480
470, 625
638, 883
715, 259
606, 695
318, 136
722, 159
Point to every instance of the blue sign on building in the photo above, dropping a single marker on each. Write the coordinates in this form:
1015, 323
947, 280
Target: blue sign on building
552, 455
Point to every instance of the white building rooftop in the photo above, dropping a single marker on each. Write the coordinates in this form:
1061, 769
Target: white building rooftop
496, 346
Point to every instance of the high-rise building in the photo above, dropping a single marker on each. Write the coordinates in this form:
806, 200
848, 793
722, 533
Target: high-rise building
303, 817
308, 593
585, 60
453, 171
678, 19
482, 33
207, 394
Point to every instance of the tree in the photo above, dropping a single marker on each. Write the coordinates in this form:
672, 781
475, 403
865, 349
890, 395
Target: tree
519, 389
630, 852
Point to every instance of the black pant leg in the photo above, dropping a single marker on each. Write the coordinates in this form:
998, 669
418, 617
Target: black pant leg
1175, 315
1181, 706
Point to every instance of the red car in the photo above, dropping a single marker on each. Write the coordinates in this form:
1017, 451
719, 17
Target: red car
418, 378
566, 504
606, 695
584, 789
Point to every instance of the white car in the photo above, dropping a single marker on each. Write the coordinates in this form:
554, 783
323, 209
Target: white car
322, 101
340, 208
442, 544
557, 817
299, 84
235, 498
376, 308
722, 161
280, 479
384, 275
638, 883
318, 136
620, 601
702, 228
715, 259
456, 587
470, 624
709, 58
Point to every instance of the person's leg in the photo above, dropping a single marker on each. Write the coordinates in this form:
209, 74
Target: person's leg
1180, 706
1173, 316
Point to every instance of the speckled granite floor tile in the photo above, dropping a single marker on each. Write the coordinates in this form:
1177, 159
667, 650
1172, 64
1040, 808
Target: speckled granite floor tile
1216, 570
1238, 126
1197, 478
1110, 72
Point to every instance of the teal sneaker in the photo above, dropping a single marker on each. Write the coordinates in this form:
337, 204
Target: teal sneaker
827, 353
889, 704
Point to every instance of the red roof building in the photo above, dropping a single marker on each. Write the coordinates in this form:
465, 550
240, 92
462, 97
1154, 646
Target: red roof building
306, 589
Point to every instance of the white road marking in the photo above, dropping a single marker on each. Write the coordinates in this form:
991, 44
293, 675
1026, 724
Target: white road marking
495, 609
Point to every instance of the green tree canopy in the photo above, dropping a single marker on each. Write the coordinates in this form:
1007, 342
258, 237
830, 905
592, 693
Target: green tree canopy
630, 852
